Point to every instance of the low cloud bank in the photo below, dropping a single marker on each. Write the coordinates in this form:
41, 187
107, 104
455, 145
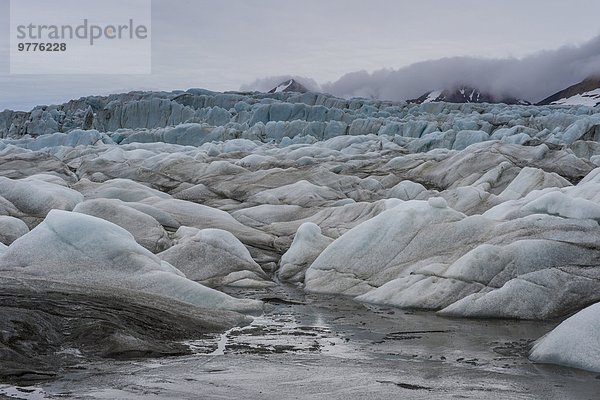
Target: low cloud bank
532, 78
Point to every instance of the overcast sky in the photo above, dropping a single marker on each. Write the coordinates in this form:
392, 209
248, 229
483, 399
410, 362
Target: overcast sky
226, 44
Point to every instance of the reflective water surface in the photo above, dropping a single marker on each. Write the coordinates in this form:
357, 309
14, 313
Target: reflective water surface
318, 347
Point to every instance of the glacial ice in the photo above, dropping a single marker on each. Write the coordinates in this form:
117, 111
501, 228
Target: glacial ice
203, 217
464, 266
146, 231
11, 229
120, 189
308, 244
372, 248
471, 210
214, 257
574, 343
36, 198
87, 251
50, 141
406, 190
302, 193
530, 179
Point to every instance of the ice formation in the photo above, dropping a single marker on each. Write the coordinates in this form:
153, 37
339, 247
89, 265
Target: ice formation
574, 343
471, 210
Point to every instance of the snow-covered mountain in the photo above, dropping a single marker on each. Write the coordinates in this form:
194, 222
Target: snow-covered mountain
289, 86
465, 94
585, 93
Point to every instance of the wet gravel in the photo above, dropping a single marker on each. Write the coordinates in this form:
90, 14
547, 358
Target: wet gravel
314, 347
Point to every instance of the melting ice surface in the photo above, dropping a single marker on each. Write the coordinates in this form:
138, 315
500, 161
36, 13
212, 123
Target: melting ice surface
25, 393
319, 344
466, 210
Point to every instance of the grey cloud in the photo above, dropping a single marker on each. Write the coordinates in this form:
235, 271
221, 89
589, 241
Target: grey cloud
532, 78
219, 45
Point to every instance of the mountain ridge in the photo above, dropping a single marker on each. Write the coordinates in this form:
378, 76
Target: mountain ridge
290, 85
586, 92
465, 94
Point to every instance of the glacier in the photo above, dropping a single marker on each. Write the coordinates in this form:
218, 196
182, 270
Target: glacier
574, 343
467, 210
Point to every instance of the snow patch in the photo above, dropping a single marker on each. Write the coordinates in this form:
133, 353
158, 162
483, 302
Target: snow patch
283, 86
590, 99
433, 96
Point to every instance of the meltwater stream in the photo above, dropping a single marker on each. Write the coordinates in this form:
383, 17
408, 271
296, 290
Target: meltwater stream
317, 347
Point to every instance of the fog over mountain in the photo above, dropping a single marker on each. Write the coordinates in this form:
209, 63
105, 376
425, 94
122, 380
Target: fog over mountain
532, 78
